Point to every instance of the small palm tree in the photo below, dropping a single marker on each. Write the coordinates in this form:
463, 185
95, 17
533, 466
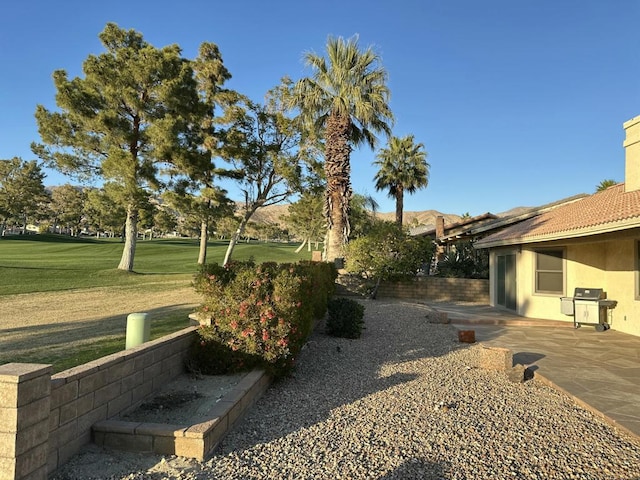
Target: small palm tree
604, 184
347, 100
403, 168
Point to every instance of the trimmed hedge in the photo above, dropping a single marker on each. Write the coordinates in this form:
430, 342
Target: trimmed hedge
261, 315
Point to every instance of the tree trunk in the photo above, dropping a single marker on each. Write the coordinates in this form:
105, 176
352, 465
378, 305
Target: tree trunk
204, 238
131, 236
338, 193
299, 249
399, 204
236, 236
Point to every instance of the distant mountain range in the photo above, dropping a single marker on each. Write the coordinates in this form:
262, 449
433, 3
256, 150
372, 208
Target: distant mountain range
273, 214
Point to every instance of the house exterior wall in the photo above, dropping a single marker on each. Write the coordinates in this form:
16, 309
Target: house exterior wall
607, 261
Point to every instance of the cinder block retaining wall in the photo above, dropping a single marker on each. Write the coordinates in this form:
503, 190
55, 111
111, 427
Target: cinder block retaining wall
438, 289
45, 419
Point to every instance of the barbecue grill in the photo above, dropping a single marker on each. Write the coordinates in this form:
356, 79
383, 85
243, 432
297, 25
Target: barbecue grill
589, 306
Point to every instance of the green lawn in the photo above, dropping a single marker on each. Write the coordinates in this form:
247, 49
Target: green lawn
39, 263
50, 263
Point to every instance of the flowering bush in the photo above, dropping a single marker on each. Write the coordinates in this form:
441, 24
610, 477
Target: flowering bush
261, 314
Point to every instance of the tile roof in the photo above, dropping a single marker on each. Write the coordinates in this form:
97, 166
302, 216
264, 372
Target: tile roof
606, 211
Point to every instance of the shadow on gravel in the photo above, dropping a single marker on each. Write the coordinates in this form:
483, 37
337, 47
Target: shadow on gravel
334, 372
417, 468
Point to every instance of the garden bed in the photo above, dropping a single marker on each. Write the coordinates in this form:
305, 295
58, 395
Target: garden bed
187, 418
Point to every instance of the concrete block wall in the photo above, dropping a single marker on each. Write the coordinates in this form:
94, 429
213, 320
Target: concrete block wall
24, 420
438, 289
45, 419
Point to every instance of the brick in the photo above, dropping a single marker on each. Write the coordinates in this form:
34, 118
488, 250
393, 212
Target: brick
31, 461
9, 420
52, 460
92, 382
162, 379
213, 437
64, 394
116, 426
143, 360
22, 372
39, 474
190, 447
7, 468
31, 437
142, 391
86, 421
119, 371
106, 394
34, 389
63, 435
54, 419
152, 371
14, 419
85, 404
68, 412
8, 395
67, 451
164, 445
130, 443
8, 443
132, 381
496, 358
118, 404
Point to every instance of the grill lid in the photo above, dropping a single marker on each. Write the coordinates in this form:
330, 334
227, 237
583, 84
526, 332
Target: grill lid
581, 293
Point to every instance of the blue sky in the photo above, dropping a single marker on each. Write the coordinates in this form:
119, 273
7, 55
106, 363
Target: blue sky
517, 103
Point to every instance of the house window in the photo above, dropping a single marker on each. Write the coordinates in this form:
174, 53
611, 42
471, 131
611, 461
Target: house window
549, 271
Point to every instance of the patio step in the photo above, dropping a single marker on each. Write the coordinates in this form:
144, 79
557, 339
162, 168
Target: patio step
513, 322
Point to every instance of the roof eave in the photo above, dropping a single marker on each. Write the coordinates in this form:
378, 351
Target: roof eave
597, 230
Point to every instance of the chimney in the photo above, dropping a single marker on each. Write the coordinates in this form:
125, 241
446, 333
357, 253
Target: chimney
440, 223
632, 154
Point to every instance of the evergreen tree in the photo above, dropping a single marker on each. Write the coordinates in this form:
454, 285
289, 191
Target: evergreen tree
22, 192
132, 112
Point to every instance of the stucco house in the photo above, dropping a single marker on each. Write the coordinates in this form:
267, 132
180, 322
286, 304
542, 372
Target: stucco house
593, 242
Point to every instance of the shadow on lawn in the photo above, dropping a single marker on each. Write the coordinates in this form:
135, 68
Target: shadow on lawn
39, 340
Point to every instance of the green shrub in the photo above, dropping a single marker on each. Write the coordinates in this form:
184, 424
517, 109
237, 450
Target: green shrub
345, 318
387, 252
263, 312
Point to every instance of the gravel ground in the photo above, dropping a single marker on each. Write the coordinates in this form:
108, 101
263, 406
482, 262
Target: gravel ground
403, 402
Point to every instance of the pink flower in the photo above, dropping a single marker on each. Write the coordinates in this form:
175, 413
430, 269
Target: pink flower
247, 331
234, 324
265, 335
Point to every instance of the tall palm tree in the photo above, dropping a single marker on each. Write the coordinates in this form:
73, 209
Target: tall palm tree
403, 168
347, 99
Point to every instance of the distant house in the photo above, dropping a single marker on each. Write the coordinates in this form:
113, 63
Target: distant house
472, 229
592, 242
